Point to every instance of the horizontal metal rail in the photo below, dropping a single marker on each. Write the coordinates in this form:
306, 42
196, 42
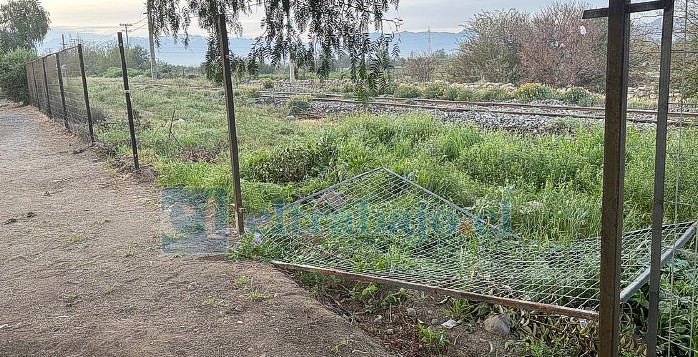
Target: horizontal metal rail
515, 303
642, 279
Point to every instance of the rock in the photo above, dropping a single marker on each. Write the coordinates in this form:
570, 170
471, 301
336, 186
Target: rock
291, 117
378, 320
31, 214
192, 286
498, 325
450, 324
4, 326
411, 312
434, 321
390, 331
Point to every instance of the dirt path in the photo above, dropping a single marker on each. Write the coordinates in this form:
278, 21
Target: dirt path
82, 273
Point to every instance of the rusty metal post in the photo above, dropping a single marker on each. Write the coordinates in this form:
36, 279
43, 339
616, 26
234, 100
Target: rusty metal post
60, 86
659, 177
232, 131
48, 98
613, 176
129, 107
36, 87
88, 110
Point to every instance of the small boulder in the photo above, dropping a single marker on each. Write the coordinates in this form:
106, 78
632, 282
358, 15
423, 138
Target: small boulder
411, 312
498, 325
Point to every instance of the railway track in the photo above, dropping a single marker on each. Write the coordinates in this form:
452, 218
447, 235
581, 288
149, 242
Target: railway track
526, 109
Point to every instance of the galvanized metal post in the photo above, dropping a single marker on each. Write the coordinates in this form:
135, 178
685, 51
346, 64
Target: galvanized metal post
232, 131
60, 86
129, 108
659, 177
48, 98
88, 110
613, 176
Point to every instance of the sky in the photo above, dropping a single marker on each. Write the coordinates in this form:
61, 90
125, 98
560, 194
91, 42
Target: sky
416, 15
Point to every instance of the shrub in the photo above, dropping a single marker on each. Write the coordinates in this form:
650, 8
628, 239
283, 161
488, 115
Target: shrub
289, 164
113, 72
251, 92
496, 95
533, 91
579, 96
467, 95
404, 90
267, 83
435, 90
13, 74
298, 104
451, 93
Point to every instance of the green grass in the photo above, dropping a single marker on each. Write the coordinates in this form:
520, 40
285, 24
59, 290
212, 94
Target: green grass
553, 182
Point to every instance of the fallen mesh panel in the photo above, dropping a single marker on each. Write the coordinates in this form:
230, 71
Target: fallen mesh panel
380, 225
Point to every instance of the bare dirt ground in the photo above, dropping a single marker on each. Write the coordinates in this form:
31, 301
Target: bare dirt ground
82, 273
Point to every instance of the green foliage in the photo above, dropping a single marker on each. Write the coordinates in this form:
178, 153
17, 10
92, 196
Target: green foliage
102, 59
579, 96
436, 90
435, 340
113, 72
23, 24
267, 83
532, 91
13, 74
404, 90
298, 104
495, 94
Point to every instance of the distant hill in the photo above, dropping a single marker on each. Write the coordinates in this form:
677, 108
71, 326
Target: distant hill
193, 55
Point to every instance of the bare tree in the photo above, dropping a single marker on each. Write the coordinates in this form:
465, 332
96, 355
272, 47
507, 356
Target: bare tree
562, 49
490, 50
421, 67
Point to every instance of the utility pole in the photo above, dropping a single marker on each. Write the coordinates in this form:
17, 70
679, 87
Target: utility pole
126, 26
62, 42
153, 65
429, 41
291, 73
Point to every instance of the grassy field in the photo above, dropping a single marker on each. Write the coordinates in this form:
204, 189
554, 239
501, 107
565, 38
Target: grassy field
552, 181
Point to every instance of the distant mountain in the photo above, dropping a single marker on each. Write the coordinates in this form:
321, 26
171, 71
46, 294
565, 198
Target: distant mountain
175, 52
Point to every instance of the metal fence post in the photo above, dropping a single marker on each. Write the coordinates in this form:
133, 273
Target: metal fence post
88, 110
129, 108
659, 177
232, 131
613, 176
60, 86
48, 98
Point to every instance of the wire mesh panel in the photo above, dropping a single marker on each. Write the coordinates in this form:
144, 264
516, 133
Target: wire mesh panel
383, 225
30, 83
54, 90
42, 99
73, 91
678, 316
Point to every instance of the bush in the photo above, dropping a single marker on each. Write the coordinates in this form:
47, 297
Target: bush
251, 93
467, 95
404, 90
288, 164
496, 95
297, 105
267, 83
435, 90
533, 91
13, 74
579, 96
113, 72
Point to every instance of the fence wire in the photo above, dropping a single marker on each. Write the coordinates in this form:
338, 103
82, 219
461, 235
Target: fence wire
677, 332
383, 225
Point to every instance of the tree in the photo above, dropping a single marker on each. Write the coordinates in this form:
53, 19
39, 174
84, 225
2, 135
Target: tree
562, 49
490, 50
303, 31
420, 67
23, 24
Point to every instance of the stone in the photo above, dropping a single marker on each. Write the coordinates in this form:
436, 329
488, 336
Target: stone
498, 325
434, 321
192, 286
378, 320
411, 312
390, 331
